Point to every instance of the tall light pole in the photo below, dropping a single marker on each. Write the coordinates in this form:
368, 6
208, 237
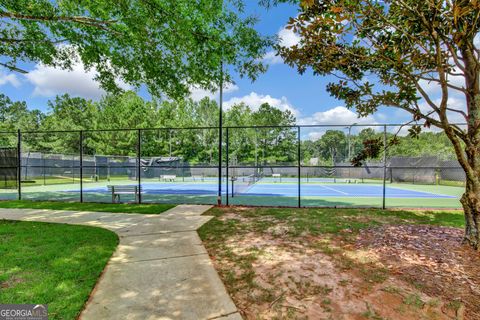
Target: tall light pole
220, 130
170, 143
349, 135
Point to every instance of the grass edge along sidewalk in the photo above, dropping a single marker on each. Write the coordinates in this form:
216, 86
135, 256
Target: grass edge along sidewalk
41, 265
77, 206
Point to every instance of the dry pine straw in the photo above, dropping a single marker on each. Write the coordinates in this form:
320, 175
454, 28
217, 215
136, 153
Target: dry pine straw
385, 272
431, 257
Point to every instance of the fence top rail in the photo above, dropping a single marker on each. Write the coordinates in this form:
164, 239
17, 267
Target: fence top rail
217, 127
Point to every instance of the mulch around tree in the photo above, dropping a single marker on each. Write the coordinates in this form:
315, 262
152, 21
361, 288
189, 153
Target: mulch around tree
431, 257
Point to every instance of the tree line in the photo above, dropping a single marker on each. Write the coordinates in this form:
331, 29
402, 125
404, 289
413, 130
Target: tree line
56, 131
337, 146
48, 132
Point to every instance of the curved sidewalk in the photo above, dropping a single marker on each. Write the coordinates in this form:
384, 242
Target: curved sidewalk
160, 269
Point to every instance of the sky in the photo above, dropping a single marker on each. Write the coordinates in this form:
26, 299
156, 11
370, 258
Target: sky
281, 86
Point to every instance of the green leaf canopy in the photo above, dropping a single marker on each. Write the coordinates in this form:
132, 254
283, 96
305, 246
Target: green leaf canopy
167, 45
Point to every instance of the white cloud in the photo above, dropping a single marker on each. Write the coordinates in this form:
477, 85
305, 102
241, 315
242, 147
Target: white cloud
455, 103
381, 117
198, 94
271, 57
255, 100
287, 38
339, 115
9, 78
434, 88
49, 81
315, 135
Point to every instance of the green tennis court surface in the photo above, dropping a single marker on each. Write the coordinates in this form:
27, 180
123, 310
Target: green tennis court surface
265, 192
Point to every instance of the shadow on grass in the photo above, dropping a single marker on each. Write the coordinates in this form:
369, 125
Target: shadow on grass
326, 220
76, 206
52, 264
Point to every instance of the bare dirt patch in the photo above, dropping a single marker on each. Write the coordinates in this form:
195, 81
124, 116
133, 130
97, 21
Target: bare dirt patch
271, 274
10, 283
431, 258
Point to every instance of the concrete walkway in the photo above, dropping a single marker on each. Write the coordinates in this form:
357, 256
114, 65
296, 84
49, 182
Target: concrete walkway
160, 269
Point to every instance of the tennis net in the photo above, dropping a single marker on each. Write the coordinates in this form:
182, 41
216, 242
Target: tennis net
242, 184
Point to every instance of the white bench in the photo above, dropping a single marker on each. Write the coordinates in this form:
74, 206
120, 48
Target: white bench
168, 177
119, 190
277, 176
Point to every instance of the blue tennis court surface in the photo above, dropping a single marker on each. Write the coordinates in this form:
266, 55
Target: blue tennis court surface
281, 190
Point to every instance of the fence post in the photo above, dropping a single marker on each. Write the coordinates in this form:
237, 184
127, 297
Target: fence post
220, 131
139, 168
81, 165
226, 155
43, 170
19, 164
384, 163
73, 168
299, 168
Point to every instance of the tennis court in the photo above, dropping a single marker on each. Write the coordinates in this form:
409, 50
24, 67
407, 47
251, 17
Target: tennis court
281, 190
267, 191
182, 166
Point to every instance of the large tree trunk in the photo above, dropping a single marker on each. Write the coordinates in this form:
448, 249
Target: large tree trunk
471, 207
470, 159
468, 155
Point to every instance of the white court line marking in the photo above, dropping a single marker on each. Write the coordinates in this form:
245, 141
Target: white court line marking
166, 186
333, 189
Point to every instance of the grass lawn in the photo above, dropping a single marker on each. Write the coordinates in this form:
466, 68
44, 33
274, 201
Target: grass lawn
77, 206
54, 264
312, 263
319, 221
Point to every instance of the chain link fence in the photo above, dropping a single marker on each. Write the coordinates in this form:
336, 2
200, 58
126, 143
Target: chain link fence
292, 166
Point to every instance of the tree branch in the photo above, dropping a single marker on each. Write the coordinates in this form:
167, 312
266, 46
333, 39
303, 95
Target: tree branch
92, 22
13, 68
82, 19
461, 155
455, 57
11, 40
431, 79
396, 27
459, 111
